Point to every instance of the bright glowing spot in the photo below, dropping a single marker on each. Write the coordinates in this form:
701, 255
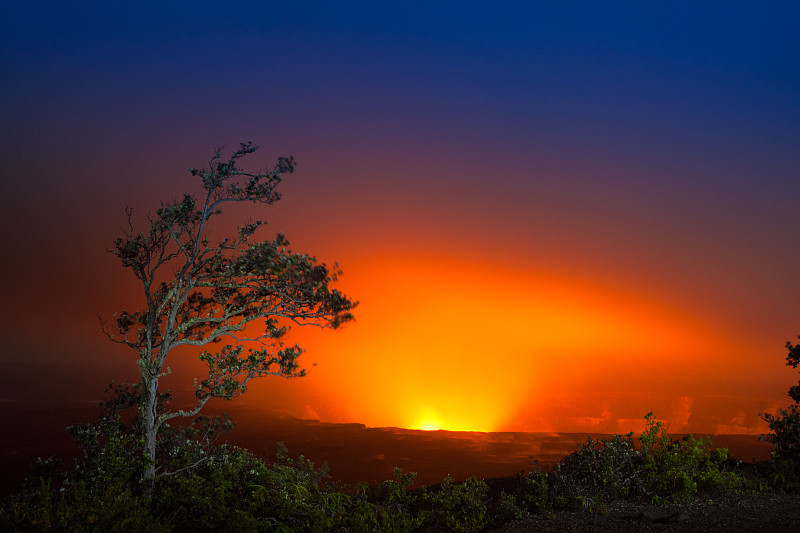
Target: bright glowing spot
428, 420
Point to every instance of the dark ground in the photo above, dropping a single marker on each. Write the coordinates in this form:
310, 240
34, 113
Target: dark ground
762, 512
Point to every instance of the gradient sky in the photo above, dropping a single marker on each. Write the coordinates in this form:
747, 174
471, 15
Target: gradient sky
556, 216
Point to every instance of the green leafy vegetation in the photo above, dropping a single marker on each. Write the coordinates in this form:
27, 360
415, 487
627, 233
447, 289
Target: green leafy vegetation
784, 469
208, 487
659, 470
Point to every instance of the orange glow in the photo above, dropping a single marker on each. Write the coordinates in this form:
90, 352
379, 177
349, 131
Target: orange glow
444, 345
428, 420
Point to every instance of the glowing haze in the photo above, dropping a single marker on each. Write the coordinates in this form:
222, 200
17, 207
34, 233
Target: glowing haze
446, 346
555, 218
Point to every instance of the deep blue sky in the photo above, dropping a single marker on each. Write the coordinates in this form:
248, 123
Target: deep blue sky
649, 149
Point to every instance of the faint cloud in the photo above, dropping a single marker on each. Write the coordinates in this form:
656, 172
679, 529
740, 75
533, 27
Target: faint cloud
681, 413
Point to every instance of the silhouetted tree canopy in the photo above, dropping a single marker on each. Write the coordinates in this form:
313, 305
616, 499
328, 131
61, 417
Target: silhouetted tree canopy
198, 293
793, 359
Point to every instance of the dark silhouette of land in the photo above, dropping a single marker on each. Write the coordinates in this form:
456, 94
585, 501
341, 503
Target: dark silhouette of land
353, 452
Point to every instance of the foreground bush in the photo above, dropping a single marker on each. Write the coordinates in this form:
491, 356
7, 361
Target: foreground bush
657, 470
660, 470
224, 488
235, 491
784, 469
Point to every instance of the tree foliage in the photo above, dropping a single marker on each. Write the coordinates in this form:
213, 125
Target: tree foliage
793, 359
785, 432
197, 292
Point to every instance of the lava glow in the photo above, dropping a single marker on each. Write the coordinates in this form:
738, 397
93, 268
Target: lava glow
429, 420
444, 346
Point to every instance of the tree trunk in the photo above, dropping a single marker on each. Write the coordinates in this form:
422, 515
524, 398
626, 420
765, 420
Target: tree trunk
148, 406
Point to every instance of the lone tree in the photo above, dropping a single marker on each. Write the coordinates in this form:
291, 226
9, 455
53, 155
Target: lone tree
196, 293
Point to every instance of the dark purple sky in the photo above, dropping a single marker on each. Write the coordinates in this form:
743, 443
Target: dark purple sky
599, 200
